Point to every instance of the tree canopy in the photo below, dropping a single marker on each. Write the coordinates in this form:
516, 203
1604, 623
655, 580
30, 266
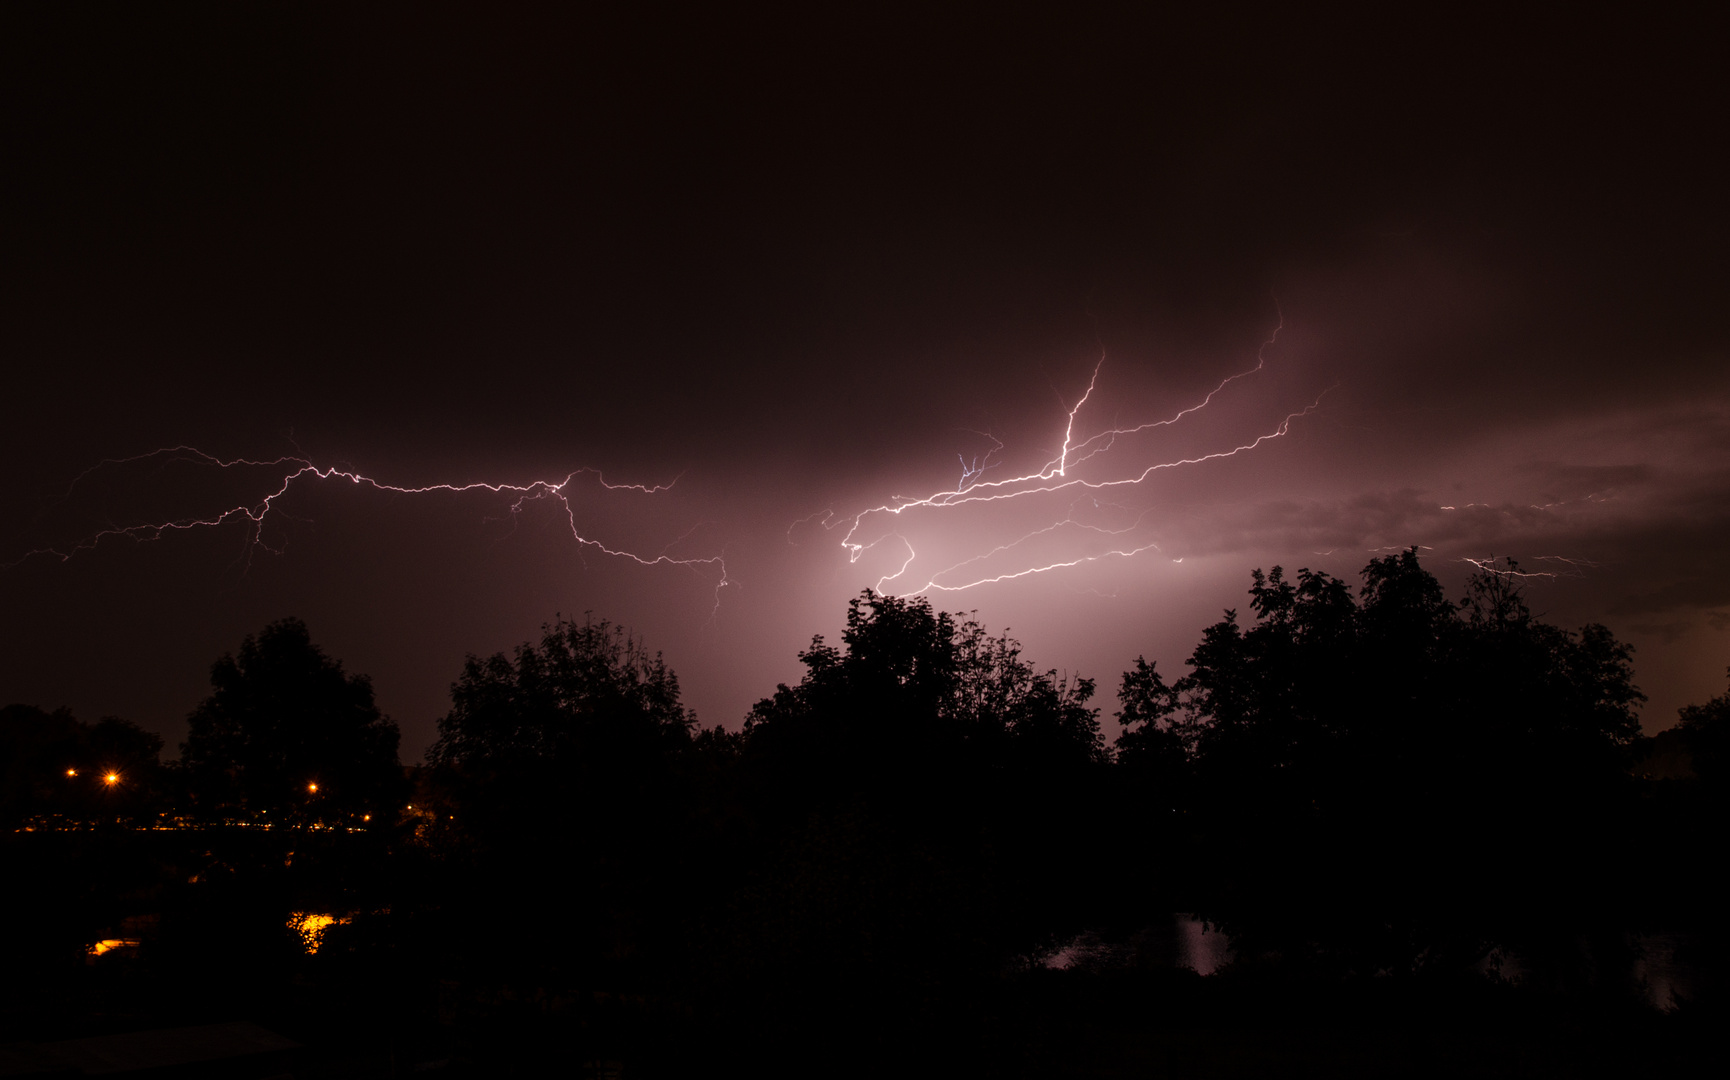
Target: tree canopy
287, 731
54, 763
913, 687
913, 795
586, 692
1374, 758
558, 769
1705, 731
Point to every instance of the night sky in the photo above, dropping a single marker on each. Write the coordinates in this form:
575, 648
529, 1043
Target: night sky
803, 268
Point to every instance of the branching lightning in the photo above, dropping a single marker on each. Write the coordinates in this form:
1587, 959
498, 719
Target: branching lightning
1502, 566
1511, 570
289, 470
1081, 465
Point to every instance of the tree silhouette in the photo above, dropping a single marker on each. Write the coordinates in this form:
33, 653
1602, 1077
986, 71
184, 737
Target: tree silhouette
53, 763
562, 766
587, 696
1705, 732
927, 803
1386, 778
914, 688
286, 732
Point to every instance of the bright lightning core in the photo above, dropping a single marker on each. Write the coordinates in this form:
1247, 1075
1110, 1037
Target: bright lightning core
1080, 505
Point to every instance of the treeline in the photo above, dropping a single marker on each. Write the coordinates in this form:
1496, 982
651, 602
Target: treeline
1381, 786
285, 731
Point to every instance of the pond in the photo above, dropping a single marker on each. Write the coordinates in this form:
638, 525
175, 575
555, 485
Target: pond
1662, 967
1182, 941
311, 926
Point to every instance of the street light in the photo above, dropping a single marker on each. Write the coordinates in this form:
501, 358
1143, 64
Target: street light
111, 779
312, 788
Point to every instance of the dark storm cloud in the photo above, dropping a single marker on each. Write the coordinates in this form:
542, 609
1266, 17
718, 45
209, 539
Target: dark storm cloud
1692, 592
1643, 534
1560, 482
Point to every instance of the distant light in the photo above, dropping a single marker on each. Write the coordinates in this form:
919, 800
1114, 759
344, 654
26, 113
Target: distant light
366, 817
111, 779
71, 772
312, 788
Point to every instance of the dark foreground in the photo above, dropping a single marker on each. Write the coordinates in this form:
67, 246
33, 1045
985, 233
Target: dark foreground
203, 917
1431, 830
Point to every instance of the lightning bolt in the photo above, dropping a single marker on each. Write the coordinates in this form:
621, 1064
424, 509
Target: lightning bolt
1079, 466
1489, 566
289, 470
1577, 565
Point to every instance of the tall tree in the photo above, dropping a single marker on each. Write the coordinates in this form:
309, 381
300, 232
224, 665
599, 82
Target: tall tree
913, 688
287, 732
915, 792
588, 696
562, 765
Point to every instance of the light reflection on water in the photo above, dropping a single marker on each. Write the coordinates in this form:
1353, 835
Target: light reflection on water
1659, 969
312, 925
1183, 942
1202, 949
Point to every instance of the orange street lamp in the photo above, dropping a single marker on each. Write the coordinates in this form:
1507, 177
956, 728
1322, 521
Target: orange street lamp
71, 772
312, 788
111, 779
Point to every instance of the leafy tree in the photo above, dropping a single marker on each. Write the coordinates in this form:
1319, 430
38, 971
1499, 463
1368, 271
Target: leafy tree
286, 731
922, 785
1022, 718
1689, 831
1705, 731
915, 689
583, 726
565, 768
588, 696
1393, 768
1151, 745
53, 763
